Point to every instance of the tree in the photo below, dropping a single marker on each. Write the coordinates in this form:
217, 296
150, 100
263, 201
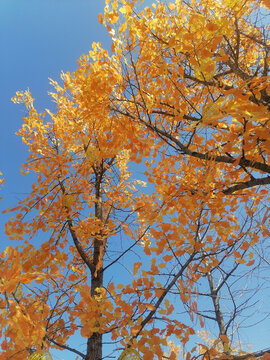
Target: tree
185, 98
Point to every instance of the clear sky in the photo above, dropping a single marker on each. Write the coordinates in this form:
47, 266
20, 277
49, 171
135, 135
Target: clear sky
39, 39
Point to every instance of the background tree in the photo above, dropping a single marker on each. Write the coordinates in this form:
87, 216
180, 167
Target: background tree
236, 294
184, 96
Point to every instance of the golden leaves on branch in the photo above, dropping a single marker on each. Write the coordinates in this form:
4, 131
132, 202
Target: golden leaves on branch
92, 153
205, 70
43, 355
129, 354
68, 200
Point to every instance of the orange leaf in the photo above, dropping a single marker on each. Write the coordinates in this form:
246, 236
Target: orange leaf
100, 19
136, 267
245, 245
251, 262
224, 338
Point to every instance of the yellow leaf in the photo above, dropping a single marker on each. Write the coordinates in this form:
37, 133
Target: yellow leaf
91, 153
205, 70
162, 311
113, 17
68, 200
172, 7
151, 307
123, 10
240, 261
43, 355
162, 265
123, 27
130, 354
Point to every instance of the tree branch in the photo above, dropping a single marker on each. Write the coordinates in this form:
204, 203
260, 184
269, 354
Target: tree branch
250, 355
66, 347
208, 156
162, 297
247, 184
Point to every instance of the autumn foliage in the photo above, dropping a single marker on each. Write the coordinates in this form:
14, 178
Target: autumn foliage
155, 157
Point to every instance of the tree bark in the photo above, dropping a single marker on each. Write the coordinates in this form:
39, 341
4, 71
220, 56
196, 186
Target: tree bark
94, 343
94, 347
218, 312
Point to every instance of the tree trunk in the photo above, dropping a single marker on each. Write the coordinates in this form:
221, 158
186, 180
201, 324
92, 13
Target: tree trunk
94, 343
94, 347
218, 312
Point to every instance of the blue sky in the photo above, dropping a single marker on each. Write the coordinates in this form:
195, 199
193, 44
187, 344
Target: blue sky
39, 39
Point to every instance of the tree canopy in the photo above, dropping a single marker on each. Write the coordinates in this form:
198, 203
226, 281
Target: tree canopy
154, 156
